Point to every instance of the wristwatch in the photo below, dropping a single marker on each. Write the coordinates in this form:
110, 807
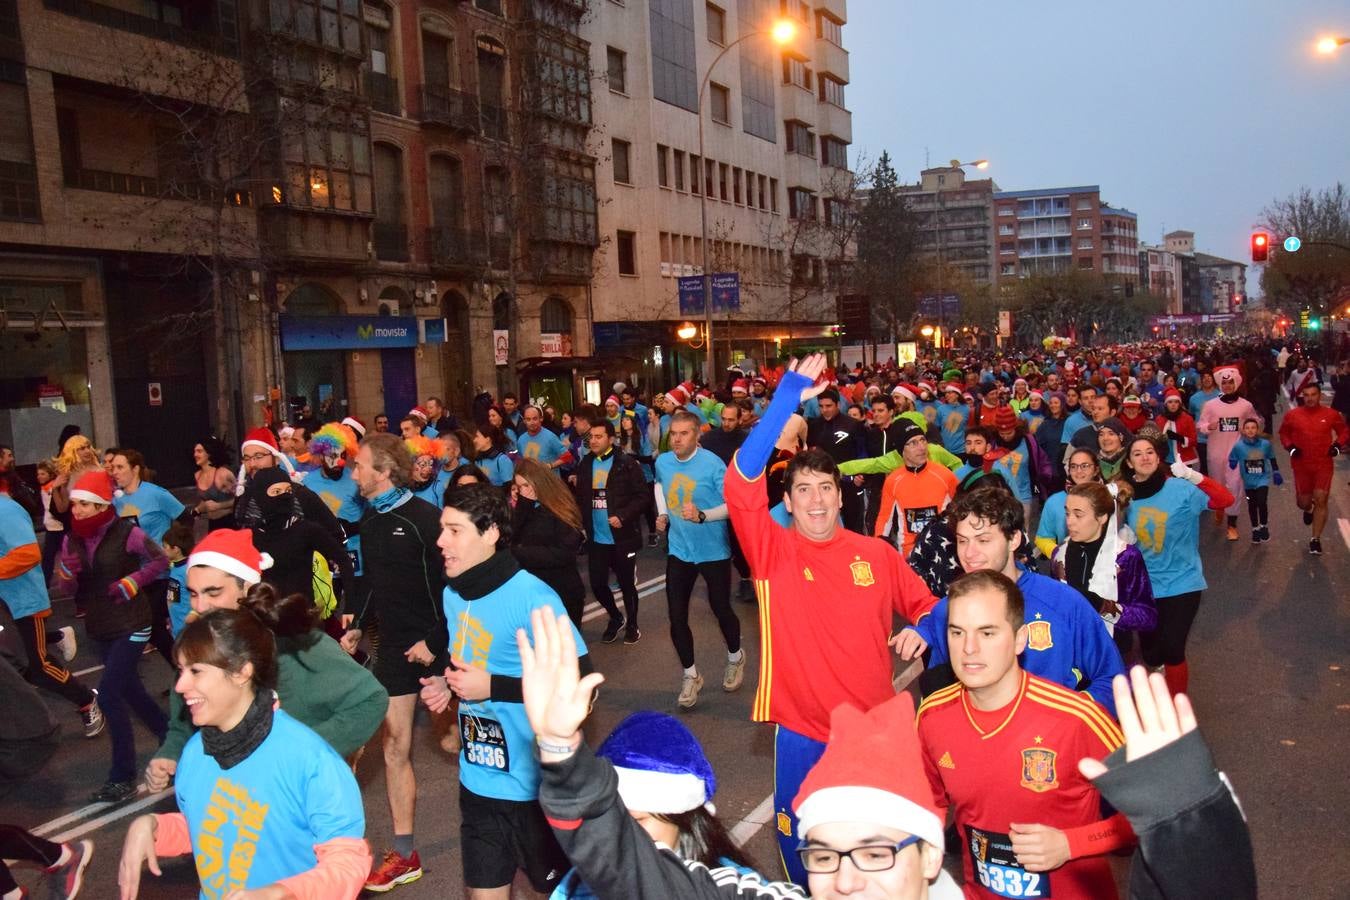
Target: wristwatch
702, 517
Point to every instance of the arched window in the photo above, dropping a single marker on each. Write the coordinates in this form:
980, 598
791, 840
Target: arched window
391, 233
555, 316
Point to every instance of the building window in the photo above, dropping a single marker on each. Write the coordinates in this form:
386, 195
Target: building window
1084, 224
1005, 210
489, 6
326, 157
627, 243
674, 75
722, 181
1008, 269
834, 152
1085, 244
492, 87
317, 22
720, 102
764, 192
1085, 204
796, 71
736, 193
717, 25
829, 29
679, 171
1006, 249
831, 90
555, 316
758, 91
618, 70
662, 165
801, 204
619, 150
836, 213
568, 190
773, 194
1085, 262
564, 80
1005, 229
799, 139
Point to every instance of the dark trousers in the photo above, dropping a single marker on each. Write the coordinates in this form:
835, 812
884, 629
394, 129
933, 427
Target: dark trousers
680, 578
738, 556
852, 513
120, 693
161, 638
1203, 450
1257, 510
601, 559
15, 843
1166, 644
43, 671
51, 549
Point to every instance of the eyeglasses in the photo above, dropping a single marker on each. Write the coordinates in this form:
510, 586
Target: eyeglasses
868, 858
1081, 467
257, 457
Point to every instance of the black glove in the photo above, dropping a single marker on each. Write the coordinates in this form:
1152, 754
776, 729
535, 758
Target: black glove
1173, 436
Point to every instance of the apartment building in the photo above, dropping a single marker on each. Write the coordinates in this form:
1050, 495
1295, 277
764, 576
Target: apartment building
209, 208
772, 172
1056, 230
955, 215
1192, 282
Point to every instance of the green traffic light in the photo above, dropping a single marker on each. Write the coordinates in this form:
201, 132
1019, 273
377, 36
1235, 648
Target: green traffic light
1314, 324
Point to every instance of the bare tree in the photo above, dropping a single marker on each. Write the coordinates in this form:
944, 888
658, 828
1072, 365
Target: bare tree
1317, 276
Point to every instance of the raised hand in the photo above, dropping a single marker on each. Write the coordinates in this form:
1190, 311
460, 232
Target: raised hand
1151, 718
811, 366
557, 698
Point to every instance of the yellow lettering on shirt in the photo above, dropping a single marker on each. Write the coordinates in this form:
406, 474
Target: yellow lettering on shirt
472, 640
1152, 528
221, 872
680, 492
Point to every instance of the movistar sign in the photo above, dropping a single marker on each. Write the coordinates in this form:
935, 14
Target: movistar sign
347, 332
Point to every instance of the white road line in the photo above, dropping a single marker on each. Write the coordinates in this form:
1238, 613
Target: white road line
86, 671
77, 815
594, 610
757, 818
1345, 531
120, 812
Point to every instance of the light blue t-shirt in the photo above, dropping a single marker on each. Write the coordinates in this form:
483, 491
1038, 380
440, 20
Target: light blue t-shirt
340, 495
1075, 423
1253, 460
544, 447
1054, 520
1015, 467
1167, 526
24, 594
1197, 402
497, 753
929, 410
434, 490
600, 499
952, 419
153, 507
257, 822
179, 602
696, 480
499, 469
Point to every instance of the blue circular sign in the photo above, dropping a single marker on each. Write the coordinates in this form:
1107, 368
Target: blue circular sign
1292, 243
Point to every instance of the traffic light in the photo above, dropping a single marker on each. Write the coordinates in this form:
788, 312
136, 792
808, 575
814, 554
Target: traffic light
1303, 319
1260, 246
1315, 323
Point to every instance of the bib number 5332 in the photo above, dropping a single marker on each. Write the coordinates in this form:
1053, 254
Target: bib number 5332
1008, 881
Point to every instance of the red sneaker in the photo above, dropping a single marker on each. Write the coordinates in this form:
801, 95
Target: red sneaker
392, 871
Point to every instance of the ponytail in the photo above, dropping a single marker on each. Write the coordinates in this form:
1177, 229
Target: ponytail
291, 616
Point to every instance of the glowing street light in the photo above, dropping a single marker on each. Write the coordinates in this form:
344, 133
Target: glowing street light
926, 331
784, 31
1328, 45
686, 331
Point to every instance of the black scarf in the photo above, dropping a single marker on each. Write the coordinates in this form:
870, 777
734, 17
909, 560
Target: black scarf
485, 577
1079, 558
230, 748
1150, 485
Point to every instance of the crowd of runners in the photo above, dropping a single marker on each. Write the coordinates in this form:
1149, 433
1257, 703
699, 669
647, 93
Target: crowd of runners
1024, 528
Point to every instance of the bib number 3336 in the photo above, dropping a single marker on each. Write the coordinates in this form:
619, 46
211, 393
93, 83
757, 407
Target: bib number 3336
484, 742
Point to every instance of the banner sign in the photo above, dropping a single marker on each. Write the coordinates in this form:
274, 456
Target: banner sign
550, 344
433, 331
347, 332
950, 305
1194, 319
501, 346
726, 293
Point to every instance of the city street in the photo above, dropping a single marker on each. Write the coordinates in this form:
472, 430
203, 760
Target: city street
1269, 679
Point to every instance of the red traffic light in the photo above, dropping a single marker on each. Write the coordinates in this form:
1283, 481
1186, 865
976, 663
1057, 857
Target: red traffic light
1260, 246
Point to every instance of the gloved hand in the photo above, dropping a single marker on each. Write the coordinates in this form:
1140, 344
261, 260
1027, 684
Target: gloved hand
1279, 479
1181, 470
122, 590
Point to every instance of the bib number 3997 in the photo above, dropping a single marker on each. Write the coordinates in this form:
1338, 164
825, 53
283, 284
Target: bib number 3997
997, 869
484, 742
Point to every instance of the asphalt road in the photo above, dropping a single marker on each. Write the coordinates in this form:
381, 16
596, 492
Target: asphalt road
1270, 660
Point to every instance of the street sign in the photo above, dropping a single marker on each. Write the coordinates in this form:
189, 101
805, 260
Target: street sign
855, 314
726, 293
1292, 244
949, 307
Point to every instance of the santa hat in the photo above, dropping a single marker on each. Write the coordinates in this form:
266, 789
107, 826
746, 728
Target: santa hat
263, 439
951, 387
740, 386
1170, 393
847, 785
355, 425
926, 387
1019, 381
1005, 418
1132, 400
612, 399
760, 380
906, 391
1037, 393
421, 413
231, 551
680, 393
94, 486
1228, 372
660, 764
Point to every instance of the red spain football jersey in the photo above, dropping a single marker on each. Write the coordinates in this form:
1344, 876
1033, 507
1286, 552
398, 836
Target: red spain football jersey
1018, 764
825, 613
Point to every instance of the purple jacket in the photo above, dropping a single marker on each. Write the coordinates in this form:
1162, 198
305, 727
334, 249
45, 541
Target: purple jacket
1134, 591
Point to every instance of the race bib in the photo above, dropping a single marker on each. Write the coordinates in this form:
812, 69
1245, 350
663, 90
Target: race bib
1228, 423
1255, 466
354, 554
175, 591
484, 742
997, 868
599, 500
917, 518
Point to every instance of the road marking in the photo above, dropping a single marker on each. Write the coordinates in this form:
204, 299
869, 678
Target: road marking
82, 813
1345, 531
86, 671
120, 813
594, 610
757, 818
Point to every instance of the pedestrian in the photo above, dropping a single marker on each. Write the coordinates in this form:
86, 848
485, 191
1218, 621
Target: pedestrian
154, 509
539, 443
546, 532
611, 486
333, 447
1179, 428
1314, 435
1221, 418
1256, 458
914, 493
632, 440
53, 529
259, 452
178, 543
215, 483
843, 439
20, 491
430, 477
111, 563
1051, 530
1207, 391
490, 452
288, 802
693, 512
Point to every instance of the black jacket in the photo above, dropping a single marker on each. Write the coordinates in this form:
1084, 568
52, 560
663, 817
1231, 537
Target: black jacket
292, 550
723, 444
842, 437
626, 496
402, 577
247, 515
546, 547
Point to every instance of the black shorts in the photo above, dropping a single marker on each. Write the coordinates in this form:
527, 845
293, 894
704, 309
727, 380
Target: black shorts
497, 837
400, 677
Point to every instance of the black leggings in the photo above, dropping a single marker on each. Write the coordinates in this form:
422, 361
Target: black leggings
680, 578
1166, 644
15, 843
1256, 505
601, 559
161, 638
45, 672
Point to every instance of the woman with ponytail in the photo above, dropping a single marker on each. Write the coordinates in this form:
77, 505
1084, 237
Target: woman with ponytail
266, 807
1101, 561
317, 682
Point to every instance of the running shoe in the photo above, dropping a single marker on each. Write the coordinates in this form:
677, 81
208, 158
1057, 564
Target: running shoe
632, 634
1315, 546
92, 717
66, 880
113, 792
689, 688
1256, 535
67, 646
392, 871
734, 675
1307, 517
1265, 533
612, 630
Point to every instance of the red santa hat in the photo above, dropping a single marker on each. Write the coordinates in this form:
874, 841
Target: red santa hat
231, 551
760, 380
1172, 392
926, 387
262, 439
1037, 393
612, 398
952, 386
908, 391
847, 785
356, 425
740, 386
420, 412
680, 393
94, 486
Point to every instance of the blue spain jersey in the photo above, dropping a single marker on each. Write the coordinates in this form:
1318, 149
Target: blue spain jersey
1167, 526
600, 499
26, 593
1253, 460
497, 756
544, 447
952, 419
153, 508
696, 480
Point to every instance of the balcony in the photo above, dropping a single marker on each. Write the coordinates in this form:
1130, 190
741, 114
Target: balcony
456, 110
836, 8
315, 236
215, 28
391, 241
831, 59
493, 119
800, 105
834, 120
382, 90
455, 248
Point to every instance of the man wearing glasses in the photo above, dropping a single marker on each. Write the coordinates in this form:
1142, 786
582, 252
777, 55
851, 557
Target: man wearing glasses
259, 451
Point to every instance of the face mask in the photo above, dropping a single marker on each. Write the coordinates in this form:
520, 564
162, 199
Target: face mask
86, 528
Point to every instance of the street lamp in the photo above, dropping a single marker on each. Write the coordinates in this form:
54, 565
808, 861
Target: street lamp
956, 164
1329, 45
781, 32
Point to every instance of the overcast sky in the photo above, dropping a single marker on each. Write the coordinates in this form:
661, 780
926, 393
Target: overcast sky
1192, 113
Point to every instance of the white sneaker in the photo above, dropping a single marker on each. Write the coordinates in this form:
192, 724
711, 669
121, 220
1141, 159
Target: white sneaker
67, 645
689, 689
735, 674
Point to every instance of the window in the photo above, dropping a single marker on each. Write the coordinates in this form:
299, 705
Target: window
555, 316
679, 172
720, 98
489, 6
446, 181
1008, 269
674, 76
627, 244
758, 97
18, 176
319, 22
1005, 229
737, 195
773, 194
801, 204
662, 165
1085, 203
618, 70
564, 81
834, 152
717, 24
831, 90
619, 154
796, 71
492, 88
1085, 244
1005, 210
568, 190
829, 29
764, 193
1084, 224
722, 181
1085, 262
326, 155
799, 139
836, 213
750, 181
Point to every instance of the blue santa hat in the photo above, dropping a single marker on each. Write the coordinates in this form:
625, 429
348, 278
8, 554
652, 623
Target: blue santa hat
660, 764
